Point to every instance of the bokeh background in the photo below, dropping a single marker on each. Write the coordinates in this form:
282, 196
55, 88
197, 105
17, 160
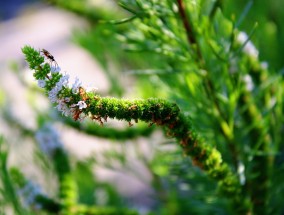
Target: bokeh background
82, 48
42, 25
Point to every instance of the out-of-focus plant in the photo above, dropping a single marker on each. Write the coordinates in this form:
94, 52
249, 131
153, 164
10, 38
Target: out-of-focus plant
214, 95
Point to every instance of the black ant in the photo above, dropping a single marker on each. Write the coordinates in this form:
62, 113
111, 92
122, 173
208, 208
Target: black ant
49, 57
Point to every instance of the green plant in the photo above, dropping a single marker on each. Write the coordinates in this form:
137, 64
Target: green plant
217, 100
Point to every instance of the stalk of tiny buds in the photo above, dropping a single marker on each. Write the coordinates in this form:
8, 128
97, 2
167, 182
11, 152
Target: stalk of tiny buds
70, 99
50, 144
76, 101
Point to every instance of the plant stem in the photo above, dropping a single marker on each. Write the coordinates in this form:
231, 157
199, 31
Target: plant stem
261, 163
187, 26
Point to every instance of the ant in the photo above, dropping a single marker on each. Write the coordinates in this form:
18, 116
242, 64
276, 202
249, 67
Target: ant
49, 57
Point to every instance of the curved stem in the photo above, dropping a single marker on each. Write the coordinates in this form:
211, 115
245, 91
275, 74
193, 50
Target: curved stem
153, 111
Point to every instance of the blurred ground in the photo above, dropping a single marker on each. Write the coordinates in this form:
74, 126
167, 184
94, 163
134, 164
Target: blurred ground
42, 26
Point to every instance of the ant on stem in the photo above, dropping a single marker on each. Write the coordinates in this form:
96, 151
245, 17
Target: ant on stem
49, 57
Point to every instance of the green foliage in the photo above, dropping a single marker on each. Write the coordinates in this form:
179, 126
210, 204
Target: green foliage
8, 193
203, 65
270, 28
155, 111
204, 82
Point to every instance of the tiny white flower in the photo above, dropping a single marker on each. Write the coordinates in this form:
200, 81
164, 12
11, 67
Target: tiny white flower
41, 83
55, 69
241, 172
249, 48
62, 106
272, 102
81, 105
249, 83
67, 99
52, 94
63, 81
48, 139
76, 85
28, 194
184, 187
264, 65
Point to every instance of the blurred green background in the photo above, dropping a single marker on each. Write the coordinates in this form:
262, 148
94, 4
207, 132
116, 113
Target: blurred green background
135, 167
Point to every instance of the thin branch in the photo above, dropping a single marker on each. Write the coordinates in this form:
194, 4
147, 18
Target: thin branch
187, 26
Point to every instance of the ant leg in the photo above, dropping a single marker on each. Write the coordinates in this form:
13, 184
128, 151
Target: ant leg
56, 64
